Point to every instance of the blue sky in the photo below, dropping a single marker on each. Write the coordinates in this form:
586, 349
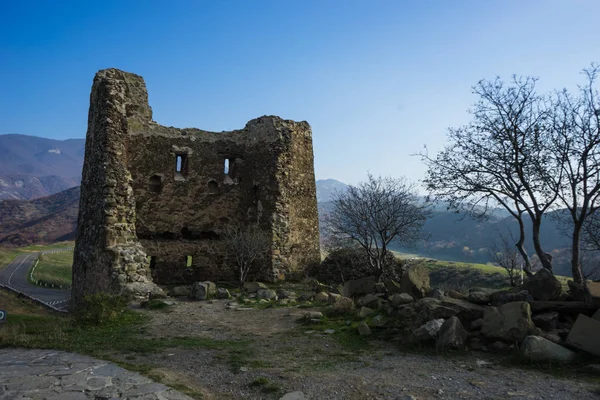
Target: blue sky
376, 80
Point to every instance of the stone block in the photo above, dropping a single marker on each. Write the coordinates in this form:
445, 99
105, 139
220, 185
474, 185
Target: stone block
585, 335
510, 322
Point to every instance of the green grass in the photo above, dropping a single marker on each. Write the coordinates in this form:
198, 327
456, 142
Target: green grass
54, 269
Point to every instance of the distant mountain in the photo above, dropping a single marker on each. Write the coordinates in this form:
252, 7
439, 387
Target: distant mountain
327, 187
32, 167
44, 220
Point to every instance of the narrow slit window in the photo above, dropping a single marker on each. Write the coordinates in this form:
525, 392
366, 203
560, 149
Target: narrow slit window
179, 163
227, 166
152, 262
188, 261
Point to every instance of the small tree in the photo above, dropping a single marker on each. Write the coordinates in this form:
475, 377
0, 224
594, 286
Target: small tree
506, 255
376, 213
245, 244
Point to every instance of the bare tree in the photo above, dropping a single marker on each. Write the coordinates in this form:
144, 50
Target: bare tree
575, 149
499, 159
246, 244
506, 255
376, 213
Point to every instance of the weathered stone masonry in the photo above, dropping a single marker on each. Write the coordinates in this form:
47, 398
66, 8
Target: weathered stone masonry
155, 198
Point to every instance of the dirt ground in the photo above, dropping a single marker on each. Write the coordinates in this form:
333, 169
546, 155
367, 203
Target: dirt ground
272, 354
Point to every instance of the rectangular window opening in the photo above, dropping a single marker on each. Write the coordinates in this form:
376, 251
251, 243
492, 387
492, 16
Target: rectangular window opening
188, 262
179, 163
152, 262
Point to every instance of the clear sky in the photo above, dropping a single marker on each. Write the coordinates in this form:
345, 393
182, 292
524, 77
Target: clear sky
376, 79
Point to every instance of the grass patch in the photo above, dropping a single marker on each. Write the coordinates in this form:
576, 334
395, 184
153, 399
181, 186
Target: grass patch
54, 269
13, 304
265, 385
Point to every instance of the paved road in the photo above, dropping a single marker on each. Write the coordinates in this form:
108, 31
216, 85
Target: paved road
14, 276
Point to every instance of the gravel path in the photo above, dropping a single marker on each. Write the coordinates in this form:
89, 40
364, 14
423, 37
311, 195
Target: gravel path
294, 359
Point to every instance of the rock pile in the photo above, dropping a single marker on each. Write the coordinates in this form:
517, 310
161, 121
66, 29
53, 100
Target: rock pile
537, 318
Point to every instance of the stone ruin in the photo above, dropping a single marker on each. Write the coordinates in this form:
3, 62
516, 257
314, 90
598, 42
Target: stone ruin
155, 200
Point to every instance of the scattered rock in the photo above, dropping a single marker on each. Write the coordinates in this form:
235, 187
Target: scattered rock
284, 294
465, 310
451, 335
436, 294
180, 291
329, 331
457, 295
551, 336
377, 321
479, 298
506, 296
499, 346
223, 293
304, 297
358, 287
343, 305
203, 290
476, 325
365, 312
321, 297
510, 322
370, 300
429, 330
333, 298
546, 321
584, 335
415, 281
539, 349
252, 287
294, 396
544, 286
401, 298
363, 329
266, 294
313, 315
392, 286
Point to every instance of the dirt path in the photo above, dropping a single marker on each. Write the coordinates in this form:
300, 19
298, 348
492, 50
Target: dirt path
270, 354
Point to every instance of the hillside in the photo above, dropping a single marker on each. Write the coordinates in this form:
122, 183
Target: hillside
44, 220
32, 167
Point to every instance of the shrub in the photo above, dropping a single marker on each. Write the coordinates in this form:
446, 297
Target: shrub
349, 263
100, 308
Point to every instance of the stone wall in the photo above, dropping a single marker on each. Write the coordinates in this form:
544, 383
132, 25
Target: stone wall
154, 198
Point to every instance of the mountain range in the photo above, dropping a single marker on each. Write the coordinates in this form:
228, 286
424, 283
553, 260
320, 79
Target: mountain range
39, 178
33, 167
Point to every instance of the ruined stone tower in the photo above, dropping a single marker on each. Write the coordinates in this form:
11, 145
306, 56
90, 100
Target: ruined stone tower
155, 200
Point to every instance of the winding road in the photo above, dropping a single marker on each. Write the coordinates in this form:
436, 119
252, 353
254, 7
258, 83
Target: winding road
14, 277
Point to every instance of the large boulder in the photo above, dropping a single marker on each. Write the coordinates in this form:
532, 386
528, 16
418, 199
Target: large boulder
451, 335
510, 322
343, 305
401, 298
428, 331
252, 287
203, 290
539, 349
585, 335
465, 310
431, 308
180, 291
479, 297
543, 286
266, 294
508, 296
358, 287
415, 281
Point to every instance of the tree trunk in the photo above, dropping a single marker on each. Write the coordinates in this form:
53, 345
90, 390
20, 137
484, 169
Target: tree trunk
575, 255
545, 258
521, 248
